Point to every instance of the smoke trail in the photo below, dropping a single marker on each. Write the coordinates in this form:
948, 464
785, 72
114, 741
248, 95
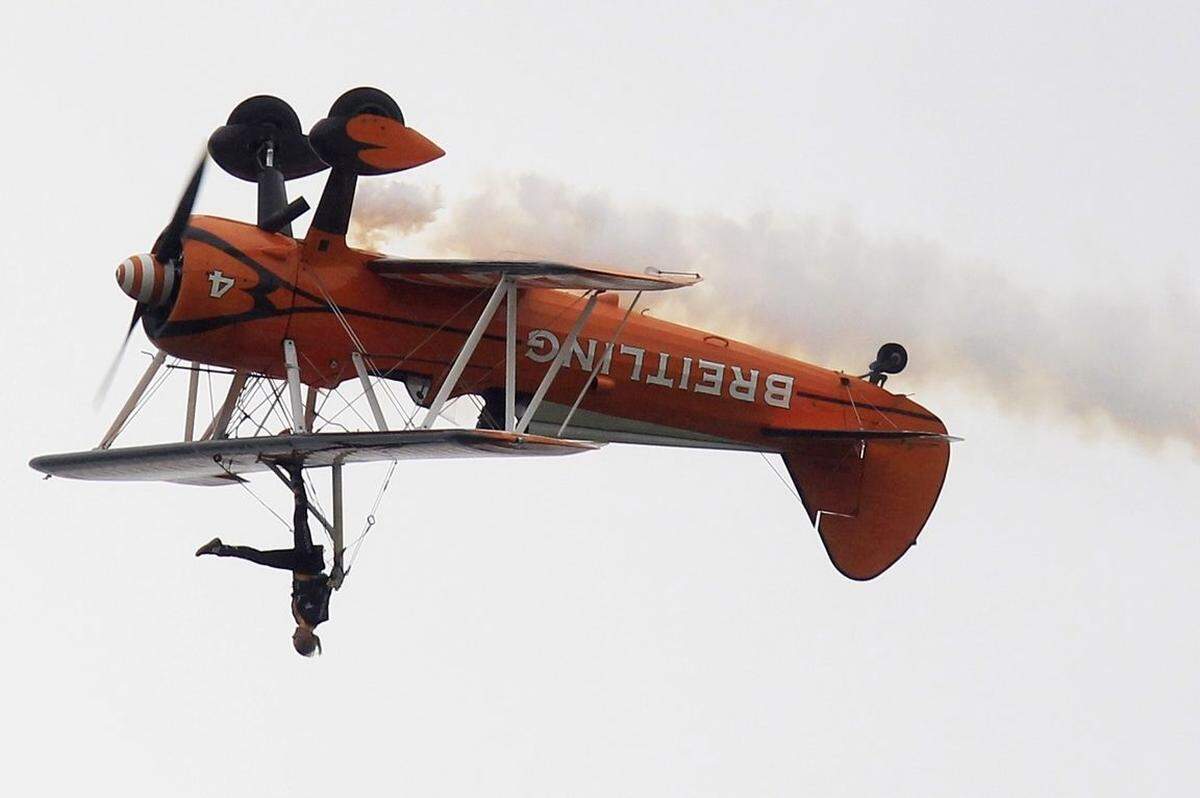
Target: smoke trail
826, 290
386, 209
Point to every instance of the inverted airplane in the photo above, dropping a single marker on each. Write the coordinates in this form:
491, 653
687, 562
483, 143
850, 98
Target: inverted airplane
567, 367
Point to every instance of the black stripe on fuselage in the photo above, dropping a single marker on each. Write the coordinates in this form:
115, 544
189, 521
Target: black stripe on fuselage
265, 309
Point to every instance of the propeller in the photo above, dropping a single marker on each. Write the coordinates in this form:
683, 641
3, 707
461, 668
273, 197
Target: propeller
168, 247
107, 382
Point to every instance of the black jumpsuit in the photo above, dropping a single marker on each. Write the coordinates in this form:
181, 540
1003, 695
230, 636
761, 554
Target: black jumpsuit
310, 597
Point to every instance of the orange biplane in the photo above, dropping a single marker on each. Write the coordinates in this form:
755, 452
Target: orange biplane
567, 366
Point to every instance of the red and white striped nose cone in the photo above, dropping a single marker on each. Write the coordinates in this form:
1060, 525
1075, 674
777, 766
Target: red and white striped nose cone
143, 278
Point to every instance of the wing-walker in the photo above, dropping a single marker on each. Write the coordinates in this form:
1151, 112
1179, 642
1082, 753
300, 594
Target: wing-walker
556, 355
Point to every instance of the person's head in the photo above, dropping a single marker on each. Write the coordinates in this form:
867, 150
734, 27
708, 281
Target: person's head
306, 641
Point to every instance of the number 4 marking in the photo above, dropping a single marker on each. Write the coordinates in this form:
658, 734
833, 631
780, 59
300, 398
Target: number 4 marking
220, 284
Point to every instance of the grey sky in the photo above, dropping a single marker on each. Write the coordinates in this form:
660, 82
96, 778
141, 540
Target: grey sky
682, 633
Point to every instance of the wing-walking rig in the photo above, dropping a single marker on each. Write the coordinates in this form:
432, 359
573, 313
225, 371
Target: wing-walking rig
296, 323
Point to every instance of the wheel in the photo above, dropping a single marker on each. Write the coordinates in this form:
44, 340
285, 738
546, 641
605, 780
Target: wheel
268, 111
892, 359
237, 146
366, 100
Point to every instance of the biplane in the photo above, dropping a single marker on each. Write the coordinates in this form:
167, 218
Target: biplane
570, 365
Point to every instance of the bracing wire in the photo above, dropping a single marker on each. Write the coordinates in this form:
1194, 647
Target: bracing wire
246, 487
470, 387
354, 339
249, 392
145, 399
791, 489
854, 406
212, 411
885, 416
355, 547
329, 420
274, 396
410, 418
491, 369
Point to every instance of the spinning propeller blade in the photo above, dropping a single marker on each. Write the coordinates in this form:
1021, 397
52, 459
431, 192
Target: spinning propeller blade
167, 249
106, 383
169, 245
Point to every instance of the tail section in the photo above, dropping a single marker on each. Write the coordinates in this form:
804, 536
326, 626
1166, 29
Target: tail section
869, 497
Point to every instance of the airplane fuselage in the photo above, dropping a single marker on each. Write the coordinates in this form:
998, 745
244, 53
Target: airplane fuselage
242, 291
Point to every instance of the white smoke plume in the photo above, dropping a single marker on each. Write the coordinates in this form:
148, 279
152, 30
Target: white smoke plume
384, 210
825, 290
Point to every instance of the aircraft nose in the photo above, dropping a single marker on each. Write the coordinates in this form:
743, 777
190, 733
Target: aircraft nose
144, 279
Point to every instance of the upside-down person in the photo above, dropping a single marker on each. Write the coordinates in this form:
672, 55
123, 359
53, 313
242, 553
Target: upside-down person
311, 587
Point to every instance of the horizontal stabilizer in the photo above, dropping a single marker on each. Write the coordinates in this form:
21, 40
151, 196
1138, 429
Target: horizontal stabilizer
869, 495
858, 434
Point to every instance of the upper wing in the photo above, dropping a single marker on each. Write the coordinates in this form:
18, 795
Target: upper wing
527, 274
221, 461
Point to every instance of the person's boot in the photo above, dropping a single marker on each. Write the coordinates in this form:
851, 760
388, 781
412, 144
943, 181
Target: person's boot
211, 547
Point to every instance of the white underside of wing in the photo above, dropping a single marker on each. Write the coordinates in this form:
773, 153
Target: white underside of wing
525, 274
220, 462
603, 428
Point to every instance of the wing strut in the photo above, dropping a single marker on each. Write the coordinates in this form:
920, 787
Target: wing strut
293, 381
218, 428
464, 354
310, 407
189, 423
510, 358
131, 402
564, 352
364, 379
608, 348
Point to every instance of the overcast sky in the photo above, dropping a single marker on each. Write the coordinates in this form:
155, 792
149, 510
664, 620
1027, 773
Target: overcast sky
636, 621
